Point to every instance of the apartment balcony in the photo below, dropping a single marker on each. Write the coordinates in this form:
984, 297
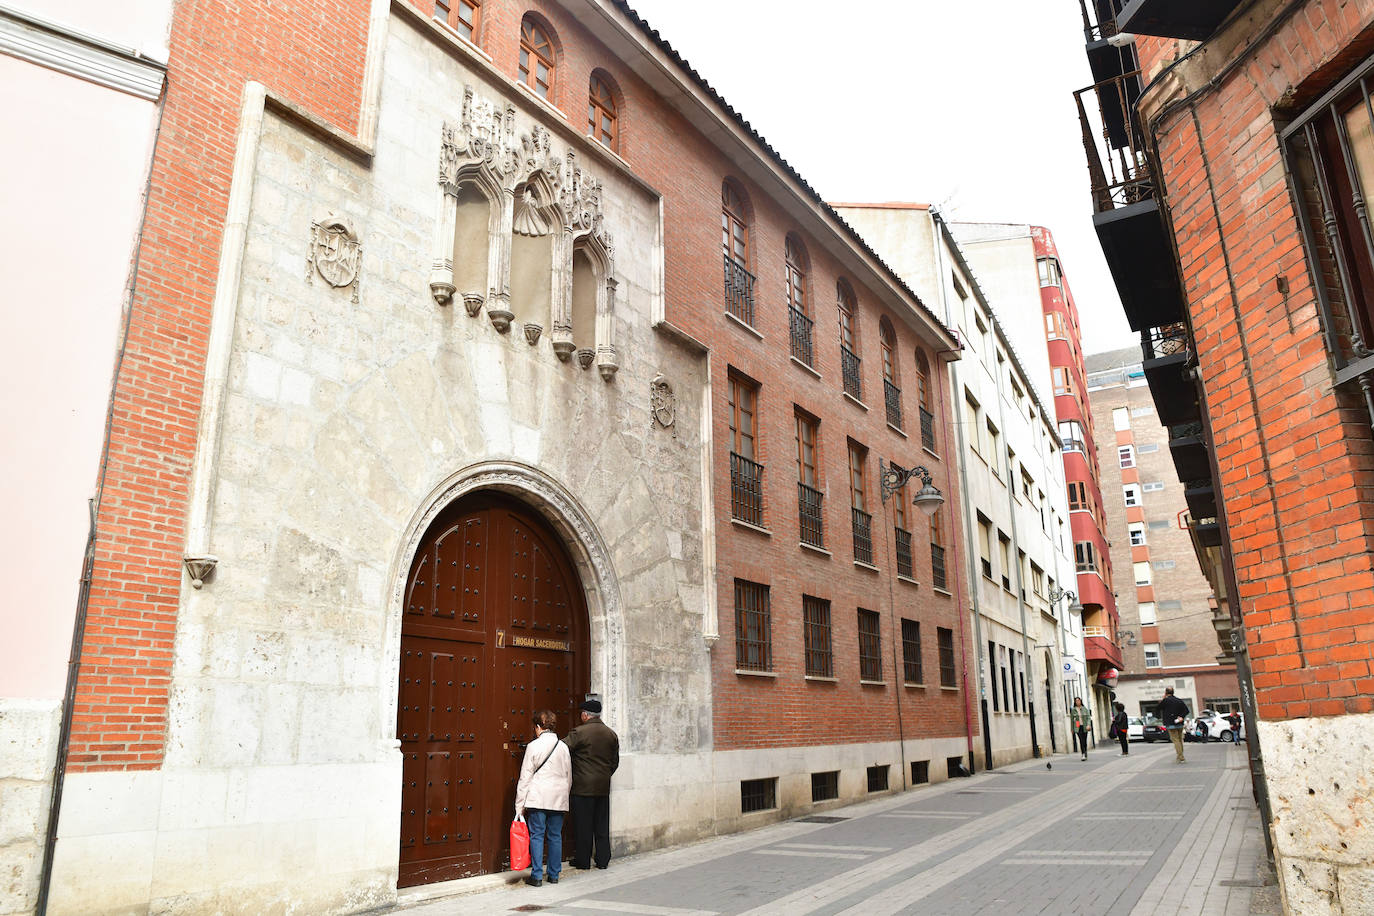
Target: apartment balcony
1107, 59
1189, 449
801, 335
746, 490
1201, 497
927, 429
849, 369
863, 537
739, 291
1127, 216
1195, 20
811, 520
892, 398
1098, 646
1165, 351
904, 567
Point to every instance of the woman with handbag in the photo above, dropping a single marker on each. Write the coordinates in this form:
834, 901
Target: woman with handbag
1081, 719
541, 796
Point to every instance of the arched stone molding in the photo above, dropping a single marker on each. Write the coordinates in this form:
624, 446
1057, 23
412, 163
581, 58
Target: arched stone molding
585, 227
585, 545
443, 281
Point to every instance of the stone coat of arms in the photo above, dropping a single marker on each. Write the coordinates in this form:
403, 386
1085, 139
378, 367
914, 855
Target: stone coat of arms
335, 253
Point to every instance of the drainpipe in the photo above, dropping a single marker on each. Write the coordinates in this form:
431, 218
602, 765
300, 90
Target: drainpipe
65, 733
963, 484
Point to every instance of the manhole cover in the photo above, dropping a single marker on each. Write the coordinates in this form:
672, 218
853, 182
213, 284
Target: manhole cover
970, 792
528, 908
821, 819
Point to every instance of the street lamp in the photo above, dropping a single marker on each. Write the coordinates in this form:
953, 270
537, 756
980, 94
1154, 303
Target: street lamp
892, 477
1056, 593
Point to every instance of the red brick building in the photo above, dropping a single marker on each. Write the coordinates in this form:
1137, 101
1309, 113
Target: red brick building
1230, 174
720, 559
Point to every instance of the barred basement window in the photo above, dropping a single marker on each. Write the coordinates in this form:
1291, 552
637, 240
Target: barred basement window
825, 786
877, 778
758, 794
920, 772
954, 766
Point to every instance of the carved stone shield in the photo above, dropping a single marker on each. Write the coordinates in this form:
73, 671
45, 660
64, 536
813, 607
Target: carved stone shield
335, 252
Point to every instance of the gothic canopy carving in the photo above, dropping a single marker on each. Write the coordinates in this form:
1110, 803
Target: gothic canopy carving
485, 139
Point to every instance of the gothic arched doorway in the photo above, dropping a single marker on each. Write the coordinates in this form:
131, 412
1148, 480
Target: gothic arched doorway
494, 627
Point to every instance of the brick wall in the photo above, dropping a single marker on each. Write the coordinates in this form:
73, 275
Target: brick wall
314, 56
1294, 453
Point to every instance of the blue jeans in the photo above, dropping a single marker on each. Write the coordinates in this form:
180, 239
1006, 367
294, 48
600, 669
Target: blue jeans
541, 822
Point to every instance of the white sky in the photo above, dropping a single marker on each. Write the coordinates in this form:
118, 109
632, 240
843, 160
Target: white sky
965, 105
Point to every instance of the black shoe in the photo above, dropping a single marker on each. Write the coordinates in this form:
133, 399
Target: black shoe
553, 880
533, 882
602, 867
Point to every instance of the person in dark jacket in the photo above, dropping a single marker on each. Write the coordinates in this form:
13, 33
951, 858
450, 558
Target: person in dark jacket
1121, 727
1173, 712
595, 753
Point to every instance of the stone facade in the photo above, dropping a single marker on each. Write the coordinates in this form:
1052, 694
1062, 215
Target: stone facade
28, 750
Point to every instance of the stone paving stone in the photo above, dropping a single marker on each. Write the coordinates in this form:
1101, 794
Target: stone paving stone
1138, 834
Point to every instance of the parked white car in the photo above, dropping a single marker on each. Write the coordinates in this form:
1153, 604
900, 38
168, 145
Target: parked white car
1145, 728
1212, 726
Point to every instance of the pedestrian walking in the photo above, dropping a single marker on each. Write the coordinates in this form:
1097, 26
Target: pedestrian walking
1121, 729
595, 753
541, 796
1173, 712
1234, 721
1081, 719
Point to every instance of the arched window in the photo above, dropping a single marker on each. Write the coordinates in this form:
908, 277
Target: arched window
924, 400
734, 244
464, 16
796, 274
849, 350
888, 338
602, 121
892, 393
536, 57
734, 225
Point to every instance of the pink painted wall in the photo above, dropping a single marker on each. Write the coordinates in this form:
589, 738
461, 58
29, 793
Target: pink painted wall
72, 195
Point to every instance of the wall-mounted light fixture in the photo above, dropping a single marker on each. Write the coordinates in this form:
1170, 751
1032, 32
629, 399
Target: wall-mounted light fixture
892, 477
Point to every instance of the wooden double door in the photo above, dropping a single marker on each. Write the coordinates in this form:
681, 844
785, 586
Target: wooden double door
494, 629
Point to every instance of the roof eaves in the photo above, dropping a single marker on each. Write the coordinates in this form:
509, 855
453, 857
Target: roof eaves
690, 72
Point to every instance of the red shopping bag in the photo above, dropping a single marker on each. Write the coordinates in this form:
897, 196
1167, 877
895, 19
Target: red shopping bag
519, 845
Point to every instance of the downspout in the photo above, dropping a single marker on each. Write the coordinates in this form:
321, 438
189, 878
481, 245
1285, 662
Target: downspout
968, 519
64, 735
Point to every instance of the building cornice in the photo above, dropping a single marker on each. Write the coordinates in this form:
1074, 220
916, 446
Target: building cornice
68, 50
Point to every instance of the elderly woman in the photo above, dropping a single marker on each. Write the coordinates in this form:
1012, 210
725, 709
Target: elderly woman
541, 796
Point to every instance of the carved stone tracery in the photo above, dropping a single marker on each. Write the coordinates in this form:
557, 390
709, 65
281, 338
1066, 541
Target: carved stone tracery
535, 189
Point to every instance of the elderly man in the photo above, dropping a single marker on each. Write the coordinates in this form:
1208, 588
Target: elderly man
595, 753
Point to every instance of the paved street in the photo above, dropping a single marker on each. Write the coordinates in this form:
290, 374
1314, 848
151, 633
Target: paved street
1138, 834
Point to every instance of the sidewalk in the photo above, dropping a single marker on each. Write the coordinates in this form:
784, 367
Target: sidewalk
1138, 834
